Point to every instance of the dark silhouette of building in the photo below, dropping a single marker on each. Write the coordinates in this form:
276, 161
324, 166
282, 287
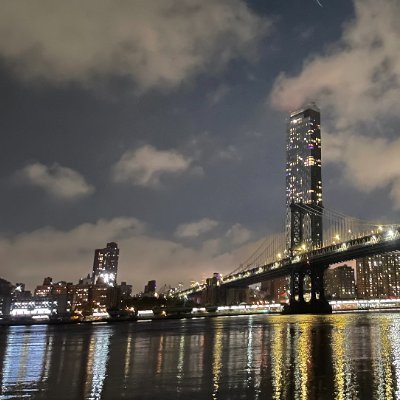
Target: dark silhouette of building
340, 283
126, 290
216, 294
6, 289
275, 290
48, 281
150, 288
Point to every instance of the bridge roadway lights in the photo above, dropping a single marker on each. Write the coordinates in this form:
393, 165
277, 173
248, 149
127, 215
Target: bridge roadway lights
317, 304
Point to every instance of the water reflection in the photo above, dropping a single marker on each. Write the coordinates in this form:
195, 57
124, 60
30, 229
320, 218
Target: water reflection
97, 362
128, 355
181, 358
394, 332
382, 353
254, 357
344, 373
302, 358
23, 365
277, 360
217, 358
348, 356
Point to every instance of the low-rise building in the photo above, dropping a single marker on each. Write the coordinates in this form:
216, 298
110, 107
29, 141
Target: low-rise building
34, 308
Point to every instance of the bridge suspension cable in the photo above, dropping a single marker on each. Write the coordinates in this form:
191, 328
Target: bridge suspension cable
338, 227
268, 251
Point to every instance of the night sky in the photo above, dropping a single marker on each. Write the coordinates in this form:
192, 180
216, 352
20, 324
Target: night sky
161, 125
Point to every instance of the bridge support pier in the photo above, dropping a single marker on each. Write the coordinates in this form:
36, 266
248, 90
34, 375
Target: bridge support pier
318, 303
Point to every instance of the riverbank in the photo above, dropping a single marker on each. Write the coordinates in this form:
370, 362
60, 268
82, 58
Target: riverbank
26, 321
150, 318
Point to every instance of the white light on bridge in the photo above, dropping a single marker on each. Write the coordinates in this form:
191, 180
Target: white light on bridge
390, 234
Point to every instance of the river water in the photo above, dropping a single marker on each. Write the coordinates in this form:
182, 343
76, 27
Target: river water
340, 356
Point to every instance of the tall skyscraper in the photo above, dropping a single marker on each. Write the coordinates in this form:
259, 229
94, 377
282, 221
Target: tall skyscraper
303, 178
105, 264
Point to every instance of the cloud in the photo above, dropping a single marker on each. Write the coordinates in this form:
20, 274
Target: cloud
60, 182
146, 165
362, 159
359, 78
357, 86
238, 234
68, 254
156, 43
195, 229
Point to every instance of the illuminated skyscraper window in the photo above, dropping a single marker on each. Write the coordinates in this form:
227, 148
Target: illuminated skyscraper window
303, 174
379, 276
105, 264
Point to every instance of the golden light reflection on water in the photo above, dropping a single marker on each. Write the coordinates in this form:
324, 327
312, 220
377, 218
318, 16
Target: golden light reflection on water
302, 359
344, 374
128, 355
277, 364
217, 360
255, 367
160, 354
394, 333
181, 359
382, 367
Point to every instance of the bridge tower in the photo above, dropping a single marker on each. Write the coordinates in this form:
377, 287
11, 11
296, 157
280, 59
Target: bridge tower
304, 207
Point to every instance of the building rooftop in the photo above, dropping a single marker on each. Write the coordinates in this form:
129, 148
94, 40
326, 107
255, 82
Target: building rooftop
309, 106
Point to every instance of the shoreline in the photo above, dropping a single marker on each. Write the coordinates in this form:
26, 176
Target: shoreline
6, 323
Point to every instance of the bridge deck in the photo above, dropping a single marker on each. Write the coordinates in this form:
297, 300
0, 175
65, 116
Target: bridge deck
373, 244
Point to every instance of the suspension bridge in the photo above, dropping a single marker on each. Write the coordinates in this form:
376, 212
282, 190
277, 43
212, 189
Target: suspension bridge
315, 238
345, 238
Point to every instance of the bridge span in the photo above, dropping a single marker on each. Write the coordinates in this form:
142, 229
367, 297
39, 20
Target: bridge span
315, 236
313, 263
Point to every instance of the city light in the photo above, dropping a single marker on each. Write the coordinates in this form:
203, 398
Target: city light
390, 234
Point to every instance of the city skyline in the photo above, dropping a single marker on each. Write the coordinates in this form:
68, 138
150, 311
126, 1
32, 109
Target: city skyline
180, 160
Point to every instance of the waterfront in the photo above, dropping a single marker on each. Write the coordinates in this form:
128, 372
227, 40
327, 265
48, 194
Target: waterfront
341, 356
